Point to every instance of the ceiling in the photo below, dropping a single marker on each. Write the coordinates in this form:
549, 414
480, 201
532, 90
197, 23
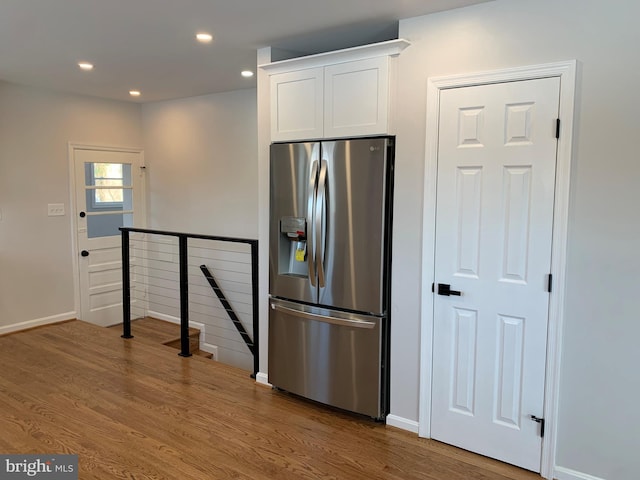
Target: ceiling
149, 45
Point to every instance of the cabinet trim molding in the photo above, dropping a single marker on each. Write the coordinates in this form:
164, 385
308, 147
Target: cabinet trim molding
388, 48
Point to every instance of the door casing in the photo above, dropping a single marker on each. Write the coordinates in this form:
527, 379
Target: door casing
567, 73
75, 253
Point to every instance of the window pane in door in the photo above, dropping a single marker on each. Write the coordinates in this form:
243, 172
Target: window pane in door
104, 175
125, 203
108, 194
107, 225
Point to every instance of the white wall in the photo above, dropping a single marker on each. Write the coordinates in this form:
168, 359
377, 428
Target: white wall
36, 263
201, 164
202, 174
598, 419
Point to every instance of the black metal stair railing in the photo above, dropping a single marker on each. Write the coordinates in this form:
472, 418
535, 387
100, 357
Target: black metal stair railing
228, 308
183, 255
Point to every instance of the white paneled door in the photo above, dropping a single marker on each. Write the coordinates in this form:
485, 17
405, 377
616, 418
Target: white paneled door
494, 219
109, 192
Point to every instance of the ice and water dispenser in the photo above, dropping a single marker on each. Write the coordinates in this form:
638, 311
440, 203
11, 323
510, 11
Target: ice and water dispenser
293, 246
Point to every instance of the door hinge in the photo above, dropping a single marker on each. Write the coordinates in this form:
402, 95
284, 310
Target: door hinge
433, 287
540, 421
557, 128
549, 283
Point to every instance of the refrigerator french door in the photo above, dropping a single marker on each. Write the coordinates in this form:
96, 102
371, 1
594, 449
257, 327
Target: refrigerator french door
330, 230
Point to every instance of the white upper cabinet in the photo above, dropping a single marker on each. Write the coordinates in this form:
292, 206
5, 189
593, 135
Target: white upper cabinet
296, 113
356, 98
347, 93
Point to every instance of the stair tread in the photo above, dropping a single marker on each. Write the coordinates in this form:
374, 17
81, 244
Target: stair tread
166, 333
157, 330
202, 353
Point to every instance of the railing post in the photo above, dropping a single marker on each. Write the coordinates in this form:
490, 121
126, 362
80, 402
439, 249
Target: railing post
184, 297
126, 286
256, 309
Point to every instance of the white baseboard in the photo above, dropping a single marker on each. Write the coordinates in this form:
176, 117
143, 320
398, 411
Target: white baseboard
16, 327
163, 316
403, 423
263, 379
172, 319
561, 473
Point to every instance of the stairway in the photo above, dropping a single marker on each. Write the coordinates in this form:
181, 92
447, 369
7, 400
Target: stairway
194, 343
161, 332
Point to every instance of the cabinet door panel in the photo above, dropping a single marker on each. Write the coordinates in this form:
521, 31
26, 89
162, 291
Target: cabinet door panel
356, 98
296, 105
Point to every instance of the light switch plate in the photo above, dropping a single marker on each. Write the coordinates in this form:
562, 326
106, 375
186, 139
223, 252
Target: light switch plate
55, 209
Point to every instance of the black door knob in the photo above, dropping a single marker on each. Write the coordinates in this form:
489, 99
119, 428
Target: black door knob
82, 214
84, 253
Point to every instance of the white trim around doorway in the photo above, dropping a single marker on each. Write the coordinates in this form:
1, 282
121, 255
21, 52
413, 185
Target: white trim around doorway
566, 71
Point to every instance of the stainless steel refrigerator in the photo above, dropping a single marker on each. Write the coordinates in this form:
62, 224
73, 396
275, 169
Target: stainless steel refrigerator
329, 278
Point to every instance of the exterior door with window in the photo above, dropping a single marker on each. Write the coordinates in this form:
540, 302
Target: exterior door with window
109, 193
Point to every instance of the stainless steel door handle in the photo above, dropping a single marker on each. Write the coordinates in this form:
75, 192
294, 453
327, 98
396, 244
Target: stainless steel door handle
320, 222
323, 318
311, 214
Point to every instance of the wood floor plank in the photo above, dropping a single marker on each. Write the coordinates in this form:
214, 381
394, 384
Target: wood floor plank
134, 409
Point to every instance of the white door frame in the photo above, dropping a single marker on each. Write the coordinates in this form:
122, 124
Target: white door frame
567, 73
72, 147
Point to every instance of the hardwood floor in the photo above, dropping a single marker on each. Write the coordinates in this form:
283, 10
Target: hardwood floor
134, 409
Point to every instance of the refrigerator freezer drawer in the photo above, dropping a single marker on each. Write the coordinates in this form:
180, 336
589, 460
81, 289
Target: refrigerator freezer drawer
327, 356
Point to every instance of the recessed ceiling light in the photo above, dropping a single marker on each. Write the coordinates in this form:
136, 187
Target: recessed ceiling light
246, 73
85, 66
134, 93
204, 37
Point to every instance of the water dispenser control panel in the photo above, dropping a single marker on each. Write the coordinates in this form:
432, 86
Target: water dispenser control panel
293, 227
